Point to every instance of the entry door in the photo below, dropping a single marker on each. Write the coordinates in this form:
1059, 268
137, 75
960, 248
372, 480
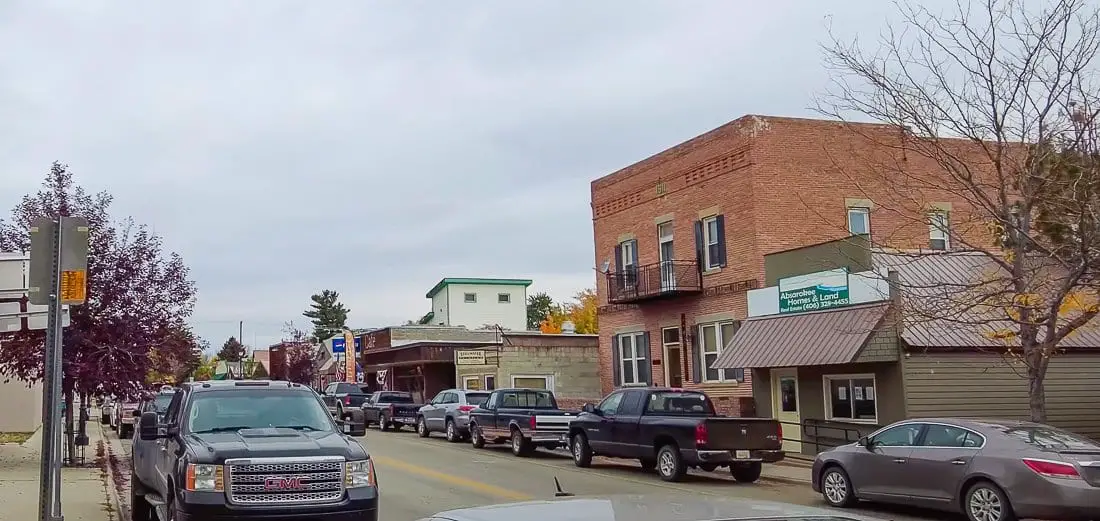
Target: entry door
666, 252
786, 406
674, 367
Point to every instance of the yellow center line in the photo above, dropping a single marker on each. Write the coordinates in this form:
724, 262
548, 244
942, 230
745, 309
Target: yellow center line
450, 479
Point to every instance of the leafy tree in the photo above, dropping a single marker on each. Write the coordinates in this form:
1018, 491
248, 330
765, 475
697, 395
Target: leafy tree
301, 361
581, 312
328, 315
1001, 100
232, 350
176, 357
424, 320
137, 294
539, 307
206, 369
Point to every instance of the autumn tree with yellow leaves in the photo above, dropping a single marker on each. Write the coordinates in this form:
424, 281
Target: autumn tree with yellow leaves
1001, 101
581, 312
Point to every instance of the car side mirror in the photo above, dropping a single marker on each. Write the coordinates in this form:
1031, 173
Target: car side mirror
590, 409
866, 442
149, 427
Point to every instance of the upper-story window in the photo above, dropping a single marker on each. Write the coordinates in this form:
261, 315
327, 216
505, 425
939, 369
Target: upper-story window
938, 236
710, 239
626, 263
504, 298
469, 298
859, 221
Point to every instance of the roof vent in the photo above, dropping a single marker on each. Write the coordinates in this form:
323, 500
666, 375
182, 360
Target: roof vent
567, 328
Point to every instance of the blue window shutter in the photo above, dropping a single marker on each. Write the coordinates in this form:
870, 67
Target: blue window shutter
700, 244
696, 359
721, 240
645, 366
618, 258
736, 373
634, 252
616, 365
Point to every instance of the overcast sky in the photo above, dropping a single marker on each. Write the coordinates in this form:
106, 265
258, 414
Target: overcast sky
285, 147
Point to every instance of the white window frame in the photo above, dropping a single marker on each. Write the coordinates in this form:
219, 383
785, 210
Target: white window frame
708, 241
466, 300
507, 298
828, 393
938, 225
861, 210
721, 344
548, 378
635, 361
679, 345
626, 249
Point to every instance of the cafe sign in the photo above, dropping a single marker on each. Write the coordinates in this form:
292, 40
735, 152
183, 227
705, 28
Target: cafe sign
470, 357
814, 292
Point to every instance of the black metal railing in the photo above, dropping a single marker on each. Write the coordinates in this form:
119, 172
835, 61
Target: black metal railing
663, 279
826, 434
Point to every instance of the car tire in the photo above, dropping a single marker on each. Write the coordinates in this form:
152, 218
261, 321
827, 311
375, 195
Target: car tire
383, 423
140, 509
582, 451
985, 501
476, 439
746, 472
452, 431
521, 446
670, 466
836, 487
422, 427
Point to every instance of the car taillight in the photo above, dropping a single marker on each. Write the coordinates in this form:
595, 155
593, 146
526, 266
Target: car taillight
466, 408
1052, 469
532, 422
778, 432
700, 434
347, 400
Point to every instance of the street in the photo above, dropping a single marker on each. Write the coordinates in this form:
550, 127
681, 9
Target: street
419, 477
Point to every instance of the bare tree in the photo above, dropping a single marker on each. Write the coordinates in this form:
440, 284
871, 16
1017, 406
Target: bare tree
998, 104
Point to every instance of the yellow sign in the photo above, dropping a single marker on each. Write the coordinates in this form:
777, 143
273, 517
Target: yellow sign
74, 287
349, 357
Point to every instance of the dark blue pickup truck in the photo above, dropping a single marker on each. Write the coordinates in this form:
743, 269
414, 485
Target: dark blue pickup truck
526, 418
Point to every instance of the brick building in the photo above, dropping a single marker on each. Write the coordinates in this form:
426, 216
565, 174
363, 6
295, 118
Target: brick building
681, 235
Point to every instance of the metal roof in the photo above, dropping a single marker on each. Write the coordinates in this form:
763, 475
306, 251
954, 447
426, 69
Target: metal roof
828, 337
949, 301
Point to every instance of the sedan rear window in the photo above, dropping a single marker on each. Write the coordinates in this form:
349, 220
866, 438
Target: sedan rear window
476, 398
1048, 438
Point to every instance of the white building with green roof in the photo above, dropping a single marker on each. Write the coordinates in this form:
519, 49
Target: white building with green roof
475, 303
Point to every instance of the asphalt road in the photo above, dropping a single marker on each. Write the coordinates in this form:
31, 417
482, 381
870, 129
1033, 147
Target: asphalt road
419, 477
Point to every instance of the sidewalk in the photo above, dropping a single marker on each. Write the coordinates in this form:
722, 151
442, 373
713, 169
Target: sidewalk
83, 490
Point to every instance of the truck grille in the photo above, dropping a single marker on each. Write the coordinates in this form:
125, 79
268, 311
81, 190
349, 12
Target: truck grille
267, 481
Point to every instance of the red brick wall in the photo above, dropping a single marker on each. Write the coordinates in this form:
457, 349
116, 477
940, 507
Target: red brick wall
781, 183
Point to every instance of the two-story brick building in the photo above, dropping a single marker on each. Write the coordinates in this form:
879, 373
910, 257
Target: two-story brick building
681, 236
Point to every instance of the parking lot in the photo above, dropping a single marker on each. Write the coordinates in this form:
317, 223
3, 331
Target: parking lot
419, 477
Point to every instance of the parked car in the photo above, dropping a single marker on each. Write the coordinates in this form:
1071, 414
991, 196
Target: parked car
989, 470
390, 409
341, 397
126, 412
106, 409
672, 430
449, 412
250, 449
527, 418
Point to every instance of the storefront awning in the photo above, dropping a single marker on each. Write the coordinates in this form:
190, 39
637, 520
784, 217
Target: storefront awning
804, 339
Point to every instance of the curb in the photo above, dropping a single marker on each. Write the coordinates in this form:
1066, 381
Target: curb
121, 510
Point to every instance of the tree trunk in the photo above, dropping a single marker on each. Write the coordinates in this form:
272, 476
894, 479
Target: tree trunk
1036, 392
70, 434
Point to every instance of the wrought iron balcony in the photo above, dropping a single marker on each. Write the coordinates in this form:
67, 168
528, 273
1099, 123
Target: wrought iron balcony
654, 281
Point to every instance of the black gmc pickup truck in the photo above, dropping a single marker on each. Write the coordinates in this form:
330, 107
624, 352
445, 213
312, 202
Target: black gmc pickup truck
526, 418
671, 430
251, 450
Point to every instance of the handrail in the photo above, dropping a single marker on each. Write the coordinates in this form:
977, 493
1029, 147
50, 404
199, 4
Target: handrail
836, 433
651, 280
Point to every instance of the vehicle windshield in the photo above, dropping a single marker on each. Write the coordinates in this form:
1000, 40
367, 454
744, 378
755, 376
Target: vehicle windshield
237, 409
160, 403
395, 398
477, 399
679, 403
527, 400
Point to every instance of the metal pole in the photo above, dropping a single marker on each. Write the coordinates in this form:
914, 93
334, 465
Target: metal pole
49, 499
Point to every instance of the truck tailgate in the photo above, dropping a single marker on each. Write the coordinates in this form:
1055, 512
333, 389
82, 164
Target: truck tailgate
743, 434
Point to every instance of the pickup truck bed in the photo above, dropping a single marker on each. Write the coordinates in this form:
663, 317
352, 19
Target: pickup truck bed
525, 418
391, 410
672, 430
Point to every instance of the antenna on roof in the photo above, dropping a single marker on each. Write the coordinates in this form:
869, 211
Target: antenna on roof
560, 492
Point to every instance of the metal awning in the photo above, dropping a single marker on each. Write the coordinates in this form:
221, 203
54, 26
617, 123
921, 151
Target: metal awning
806, 339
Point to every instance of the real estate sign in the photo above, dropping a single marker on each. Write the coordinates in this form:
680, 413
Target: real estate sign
814, 292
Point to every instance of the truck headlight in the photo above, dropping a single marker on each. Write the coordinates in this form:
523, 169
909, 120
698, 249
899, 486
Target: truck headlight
359, 473
205, 478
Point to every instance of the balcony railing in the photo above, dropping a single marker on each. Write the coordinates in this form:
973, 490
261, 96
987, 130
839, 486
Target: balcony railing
653, 281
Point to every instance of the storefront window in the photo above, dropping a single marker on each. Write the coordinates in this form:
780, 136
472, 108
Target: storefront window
851, 398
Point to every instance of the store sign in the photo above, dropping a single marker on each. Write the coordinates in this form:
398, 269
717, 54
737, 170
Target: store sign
470, 357
814, 292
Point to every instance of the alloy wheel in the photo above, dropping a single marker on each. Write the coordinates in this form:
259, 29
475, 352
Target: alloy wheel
835, 487
666, 465
578, 450
985, 505
451, 431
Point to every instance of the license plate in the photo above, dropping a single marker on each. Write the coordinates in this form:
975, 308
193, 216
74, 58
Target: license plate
741, 454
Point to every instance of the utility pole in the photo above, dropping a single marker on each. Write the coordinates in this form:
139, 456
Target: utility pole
58, 277
240, 338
